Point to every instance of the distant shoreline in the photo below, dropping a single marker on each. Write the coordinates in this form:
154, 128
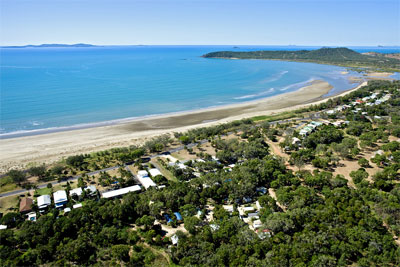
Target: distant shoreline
50, 147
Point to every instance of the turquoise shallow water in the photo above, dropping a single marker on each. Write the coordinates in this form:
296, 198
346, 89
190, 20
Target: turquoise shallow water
61, 87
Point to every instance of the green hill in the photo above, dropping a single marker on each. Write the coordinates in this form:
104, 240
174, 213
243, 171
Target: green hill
341, 56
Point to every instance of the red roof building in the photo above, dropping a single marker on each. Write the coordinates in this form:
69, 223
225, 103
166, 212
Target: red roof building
25, 205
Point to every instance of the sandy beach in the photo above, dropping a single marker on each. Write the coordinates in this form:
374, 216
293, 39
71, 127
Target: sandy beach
47, 148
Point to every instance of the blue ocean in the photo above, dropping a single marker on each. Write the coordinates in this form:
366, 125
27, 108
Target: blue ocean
44, 88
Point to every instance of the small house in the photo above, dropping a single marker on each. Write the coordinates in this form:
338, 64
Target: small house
174, 239
178, 216
25, 205
91, 190
154, 172
214, 227
32, 216
145, 180
77, 192
262, 190
60, 198
66, 210
228, 208
257, 224
296, 141
43, 201
167, 218
76, 206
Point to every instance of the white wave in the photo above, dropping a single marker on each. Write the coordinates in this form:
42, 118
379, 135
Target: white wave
35, 123
275, 77
267, 92
18, 67
297, 85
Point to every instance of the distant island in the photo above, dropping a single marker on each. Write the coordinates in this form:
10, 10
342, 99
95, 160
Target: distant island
50, 45
341, 56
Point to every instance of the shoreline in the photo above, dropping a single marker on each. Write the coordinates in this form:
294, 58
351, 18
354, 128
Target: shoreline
46, 148
115, 122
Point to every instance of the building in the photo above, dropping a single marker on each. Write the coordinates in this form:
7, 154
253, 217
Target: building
60, 198
25, 205
43, 201
77, 191
178, 216
122, 191
258, 205
262, 190
3, 227
244, 210
174, 239
228, 208
145, 180
263, 233
76, 206
154, 172
32, 216
66, 210
296, 141
257, 224
91, 190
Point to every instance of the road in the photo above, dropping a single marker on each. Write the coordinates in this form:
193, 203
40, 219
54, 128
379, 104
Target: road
173, 150
74, 178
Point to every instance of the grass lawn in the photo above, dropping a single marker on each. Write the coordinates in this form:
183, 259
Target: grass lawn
167, 174
281, 116
43, 191
8, 187
7, 184
8, 202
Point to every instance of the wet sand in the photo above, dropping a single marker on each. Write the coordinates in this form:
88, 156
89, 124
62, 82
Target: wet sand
50, 147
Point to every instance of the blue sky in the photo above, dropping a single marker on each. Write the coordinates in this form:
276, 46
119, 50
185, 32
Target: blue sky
188, 22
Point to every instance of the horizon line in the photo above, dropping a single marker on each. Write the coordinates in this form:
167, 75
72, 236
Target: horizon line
1, 45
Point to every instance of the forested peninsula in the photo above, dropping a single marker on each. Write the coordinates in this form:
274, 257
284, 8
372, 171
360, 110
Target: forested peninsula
341, 56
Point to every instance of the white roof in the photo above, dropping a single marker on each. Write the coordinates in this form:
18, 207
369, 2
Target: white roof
214, 227
228, 208
43, 201
91, 188
78, 191
60, 196
67, 210
32, 216
121, 191
79, 205
143, 173
248, 208
257, 224
174, 239
3, 227
181, 165
146, 181
171, 158
154, 172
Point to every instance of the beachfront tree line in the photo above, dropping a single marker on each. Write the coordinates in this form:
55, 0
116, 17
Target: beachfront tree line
316, 219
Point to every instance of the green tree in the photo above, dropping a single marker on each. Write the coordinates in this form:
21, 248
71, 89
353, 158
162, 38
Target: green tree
121, 252
39, 171
363, 162
17, 176
191, 223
